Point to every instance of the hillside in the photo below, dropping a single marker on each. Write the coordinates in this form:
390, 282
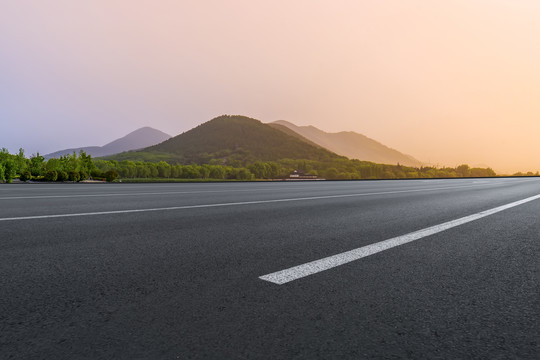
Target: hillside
229, 140
138, 139
351, 145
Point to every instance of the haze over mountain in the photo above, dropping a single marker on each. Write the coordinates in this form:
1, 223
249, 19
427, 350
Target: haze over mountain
227, 139
350, 144
138, 139
449, 82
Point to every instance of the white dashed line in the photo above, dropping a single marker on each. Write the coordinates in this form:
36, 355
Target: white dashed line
313, 267
132, 194
112, 212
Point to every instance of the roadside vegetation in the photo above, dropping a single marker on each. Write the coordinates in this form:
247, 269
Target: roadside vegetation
80, 167
72, 167
336, 169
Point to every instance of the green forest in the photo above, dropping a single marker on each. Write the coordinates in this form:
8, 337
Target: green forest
79, 167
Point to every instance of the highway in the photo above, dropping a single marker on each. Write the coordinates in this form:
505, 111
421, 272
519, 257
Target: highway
419, 269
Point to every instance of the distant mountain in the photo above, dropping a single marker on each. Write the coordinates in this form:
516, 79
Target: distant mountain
229, 140
138, 139
293, 133
349, 144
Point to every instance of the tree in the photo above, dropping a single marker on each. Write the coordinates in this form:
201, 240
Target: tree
204, 170
164, 169
111, 175
128, 169
217, 172
143, 171
51, 175
25, 176
83, 175
85, 162
244, 174
96, 173
9, 170
190, 172
4, 154
36, 164
62, 176
463, 170
74, 175
331, 173
20, 162
69, 162
388, 175
176, 171
259, 169
53, 164
153, 169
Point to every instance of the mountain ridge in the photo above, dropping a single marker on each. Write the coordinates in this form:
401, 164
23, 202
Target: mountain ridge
351, 144
137, 139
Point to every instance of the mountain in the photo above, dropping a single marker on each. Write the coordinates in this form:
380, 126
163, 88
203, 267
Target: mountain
293, 133
350, 144
138, 139
229, 139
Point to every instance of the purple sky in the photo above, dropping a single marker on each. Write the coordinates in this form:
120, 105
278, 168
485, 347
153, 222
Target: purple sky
445, 81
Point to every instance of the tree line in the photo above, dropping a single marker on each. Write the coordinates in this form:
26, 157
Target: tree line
78, 167
71, 167
147, 170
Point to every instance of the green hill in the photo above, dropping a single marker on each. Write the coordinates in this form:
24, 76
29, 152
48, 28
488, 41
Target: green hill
234, 140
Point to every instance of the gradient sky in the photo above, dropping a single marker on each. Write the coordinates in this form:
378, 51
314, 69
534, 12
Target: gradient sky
448, 82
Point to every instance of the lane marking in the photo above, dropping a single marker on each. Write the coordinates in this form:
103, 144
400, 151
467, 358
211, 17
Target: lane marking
313, 267
111, 212
79, 186
33, 197
152, 193
133, 194
177, 192
128, 185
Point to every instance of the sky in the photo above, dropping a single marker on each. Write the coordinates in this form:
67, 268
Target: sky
448, 82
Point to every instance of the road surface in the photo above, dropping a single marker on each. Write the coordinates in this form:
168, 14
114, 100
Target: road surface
420, 269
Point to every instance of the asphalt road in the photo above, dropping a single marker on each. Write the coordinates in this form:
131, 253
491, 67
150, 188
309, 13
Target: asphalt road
167, 271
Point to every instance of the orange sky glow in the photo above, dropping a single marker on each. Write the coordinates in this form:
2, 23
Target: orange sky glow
447, 82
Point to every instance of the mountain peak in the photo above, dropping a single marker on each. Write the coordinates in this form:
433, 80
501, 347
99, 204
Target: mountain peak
140, 138
231, 139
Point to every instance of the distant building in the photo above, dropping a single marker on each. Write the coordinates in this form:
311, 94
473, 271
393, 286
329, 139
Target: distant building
296, 174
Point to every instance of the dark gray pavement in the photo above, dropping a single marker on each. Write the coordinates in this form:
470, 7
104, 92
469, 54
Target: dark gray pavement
184, 283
